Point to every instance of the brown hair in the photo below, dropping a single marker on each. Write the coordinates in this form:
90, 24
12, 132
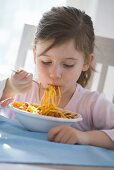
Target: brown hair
64, 23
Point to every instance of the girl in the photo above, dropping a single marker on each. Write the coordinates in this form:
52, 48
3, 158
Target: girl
63, 55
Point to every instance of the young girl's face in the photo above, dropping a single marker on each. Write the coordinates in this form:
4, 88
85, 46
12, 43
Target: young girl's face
61, 65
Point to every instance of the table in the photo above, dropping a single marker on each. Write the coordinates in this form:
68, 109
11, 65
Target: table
18, 151
48, 167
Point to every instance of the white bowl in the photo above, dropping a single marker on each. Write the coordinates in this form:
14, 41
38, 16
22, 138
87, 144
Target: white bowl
40, 123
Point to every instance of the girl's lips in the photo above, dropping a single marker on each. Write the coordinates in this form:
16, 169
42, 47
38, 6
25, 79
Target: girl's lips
56, 87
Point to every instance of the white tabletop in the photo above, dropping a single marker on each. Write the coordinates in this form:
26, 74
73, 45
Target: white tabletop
48, 167
17, 166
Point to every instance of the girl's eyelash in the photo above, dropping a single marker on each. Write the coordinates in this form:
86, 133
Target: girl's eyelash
69, 66
65, 65
46, 62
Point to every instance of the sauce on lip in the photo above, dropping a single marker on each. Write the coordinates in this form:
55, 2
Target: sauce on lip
56, 87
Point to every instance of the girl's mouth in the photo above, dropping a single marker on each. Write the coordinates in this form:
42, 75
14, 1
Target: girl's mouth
55, 86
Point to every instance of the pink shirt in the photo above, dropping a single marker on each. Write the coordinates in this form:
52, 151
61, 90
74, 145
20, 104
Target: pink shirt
96, 110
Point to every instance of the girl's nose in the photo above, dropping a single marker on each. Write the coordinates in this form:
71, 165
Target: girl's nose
56, 72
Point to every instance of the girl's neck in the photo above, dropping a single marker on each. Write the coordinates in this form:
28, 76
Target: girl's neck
66, 97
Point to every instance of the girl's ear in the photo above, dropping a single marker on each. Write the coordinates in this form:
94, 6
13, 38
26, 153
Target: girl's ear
88, 62
34, 53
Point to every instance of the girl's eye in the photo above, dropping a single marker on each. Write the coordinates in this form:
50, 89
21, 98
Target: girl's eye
46, 62
68, 66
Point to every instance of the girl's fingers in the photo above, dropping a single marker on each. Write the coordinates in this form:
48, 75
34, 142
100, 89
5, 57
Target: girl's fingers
63, 134
53, 132
25, 80
7, 101
22, 75
71, 140
58, 137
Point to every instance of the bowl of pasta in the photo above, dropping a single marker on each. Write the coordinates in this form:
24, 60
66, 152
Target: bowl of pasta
27, 114
46, 115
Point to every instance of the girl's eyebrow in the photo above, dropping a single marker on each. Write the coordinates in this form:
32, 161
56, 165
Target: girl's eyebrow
46, 55
43, 55
69, 58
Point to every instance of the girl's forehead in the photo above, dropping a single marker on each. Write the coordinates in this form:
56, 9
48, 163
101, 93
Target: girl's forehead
65, 49
47, 43
43, 44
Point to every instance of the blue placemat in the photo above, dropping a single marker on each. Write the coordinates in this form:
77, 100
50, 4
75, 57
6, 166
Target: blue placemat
17, 145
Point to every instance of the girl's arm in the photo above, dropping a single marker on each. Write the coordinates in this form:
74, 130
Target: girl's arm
69, 135
99, 138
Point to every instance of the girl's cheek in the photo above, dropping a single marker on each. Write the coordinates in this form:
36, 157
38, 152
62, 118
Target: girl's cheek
43, 75
42, 71
41, 67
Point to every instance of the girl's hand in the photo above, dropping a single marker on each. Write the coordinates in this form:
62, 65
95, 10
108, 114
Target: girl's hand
68, 135
21, 81
6, 102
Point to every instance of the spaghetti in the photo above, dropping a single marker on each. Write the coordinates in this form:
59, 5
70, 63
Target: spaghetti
48, 105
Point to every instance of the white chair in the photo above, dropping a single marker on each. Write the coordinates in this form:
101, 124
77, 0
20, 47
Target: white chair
25, 45
102, 80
